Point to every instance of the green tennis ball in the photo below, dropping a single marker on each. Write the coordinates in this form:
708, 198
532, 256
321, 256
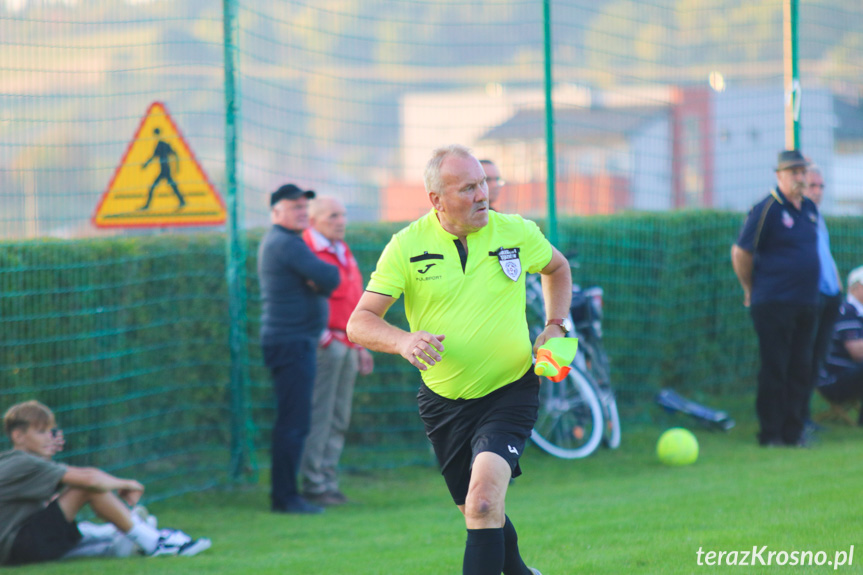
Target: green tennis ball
677, 446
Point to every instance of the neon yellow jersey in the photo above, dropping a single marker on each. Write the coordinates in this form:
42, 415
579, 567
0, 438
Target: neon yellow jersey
480, 309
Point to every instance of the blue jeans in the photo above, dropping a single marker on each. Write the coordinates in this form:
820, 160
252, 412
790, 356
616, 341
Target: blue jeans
292, 366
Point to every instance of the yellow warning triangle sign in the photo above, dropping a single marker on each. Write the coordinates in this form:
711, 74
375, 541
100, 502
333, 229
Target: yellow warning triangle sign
159, 182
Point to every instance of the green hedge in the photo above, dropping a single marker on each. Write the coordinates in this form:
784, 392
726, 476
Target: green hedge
673, 306
127, 338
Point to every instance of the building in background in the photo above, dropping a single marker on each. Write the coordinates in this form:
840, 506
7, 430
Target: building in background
845, 185
634, 149
750, 130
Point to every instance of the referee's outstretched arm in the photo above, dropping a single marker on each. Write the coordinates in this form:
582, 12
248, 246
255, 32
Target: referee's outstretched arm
368, 328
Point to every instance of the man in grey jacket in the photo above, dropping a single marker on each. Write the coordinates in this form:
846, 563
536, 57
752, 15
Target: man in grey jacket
295, 285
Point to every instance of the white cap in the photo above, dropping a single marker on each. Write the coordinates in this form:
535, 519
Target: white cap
855, 277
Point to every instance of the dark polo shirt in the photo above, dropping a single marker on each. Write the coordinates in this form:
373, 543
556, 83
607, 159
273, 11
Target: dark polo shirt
784, 242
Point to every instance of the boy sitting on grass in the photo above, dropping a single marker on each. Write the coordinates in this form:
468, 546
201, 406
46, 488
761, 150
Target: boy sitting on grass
36, 525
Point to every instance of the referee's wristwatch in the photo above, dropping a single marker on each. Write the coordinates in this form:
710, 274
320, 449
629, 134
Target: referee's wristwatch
564, 324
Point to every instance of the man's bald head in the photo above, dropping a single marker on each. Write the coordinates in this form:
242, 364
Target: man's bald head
328, 217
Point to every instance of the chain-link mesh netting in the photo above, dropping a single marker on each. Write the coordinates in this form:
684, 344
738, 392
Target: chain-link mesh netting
667, 117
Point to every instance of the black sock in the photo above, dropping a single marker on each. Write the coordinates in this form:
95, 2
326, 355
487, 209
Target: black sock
512, 562
483, 552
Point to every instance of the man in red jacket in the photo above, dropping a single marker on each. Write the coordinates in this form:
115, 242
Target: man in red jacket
338, 360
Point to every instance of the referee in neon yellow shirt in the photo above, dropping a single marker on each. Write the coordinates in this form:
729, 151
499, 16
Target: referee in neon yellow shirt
461, 269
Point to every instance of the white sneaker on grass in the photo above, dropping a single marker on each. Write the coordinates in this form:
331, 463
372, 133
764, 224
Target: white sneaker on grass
194, 547
534, 571
175, 542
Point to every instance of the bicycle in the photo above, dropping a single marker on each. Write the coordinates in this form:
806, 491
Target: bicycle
586, 315
579, 413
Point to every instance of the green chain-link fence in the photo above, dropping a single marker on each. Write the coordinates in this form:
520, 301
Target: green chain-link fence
667, 117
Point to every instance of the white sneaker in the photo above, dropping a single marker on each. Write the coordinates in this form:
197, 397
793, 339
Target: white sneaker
173, 537
175, 542
194, 547
534, 571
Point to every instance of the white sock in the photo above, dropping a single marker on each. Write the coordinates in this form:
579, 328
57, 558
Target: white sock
145, 536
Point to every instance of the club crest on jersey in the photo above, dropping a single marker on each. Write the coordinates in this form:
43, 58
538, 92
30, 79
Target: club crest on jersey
787, 220
509, 262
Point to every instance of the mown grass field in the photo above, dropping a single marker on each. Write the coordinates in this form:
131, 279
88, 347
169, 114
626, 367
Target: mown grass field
614, 513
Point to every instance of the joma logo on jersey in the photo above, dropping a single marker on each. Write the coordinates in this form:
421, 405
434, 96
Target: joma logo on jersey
425, 256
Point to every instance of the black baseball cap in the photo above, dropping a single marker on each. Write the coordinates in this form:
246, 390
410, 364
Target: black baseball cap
289, 192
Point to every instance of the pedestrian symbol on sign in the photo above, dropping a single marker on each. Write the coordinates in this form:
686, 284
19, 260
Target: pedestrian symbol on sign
164, 152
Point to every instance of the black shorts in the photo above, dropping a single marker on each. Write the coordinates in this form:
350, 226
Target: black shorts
45, 536
459, 429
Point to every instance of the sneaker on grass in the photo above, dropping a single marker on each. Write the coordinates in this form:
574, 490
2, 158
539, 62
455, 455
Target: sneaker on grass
175, 542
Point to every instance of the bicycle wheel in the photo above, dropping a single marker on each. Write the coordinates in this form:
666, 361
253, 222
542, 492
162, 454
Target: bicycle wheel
570, 423
596, 363
611, 433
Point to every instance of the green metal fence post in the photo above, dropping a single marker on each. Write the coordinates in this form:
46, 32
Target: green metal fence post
792, 75
235, 247
549, 127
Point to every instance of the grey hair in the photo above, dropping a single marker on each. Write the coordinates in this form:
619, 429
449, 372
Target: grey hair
814, 169
432, 177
